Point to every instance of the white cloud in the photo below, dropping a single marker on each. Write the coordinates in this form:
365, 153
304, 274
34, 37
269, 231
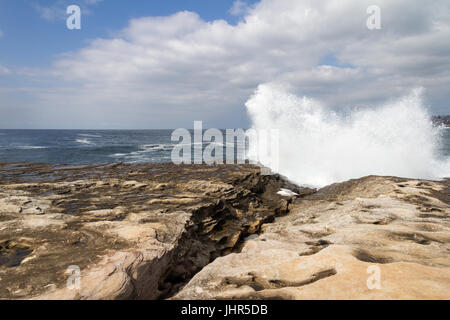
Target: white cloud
168, 71
239, 7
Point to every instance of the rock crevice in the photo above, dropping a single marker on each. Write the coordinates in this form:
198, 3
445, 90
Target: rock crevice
139, 232
158, 231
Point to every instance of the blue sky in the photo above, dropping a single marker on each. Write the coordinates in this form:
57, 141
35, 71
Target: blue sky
31, 40
163, 64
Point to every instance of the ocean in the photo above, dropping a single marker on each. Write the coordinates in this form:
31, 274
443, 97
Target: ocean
444, 147
85, 146
102, 146
91, 146
108, 146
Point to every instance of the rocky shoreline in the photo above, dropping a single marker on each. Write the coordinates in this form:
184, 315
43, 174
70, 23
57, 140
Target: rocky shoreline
135, 231
162, 231
441, 120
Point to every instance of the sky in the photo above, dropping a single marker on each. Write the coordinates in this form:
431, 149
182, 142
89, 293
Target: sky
163, 64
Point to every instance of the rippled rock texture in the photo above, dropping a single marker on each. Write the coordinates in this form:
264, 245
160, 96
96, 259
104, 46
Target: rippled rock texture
135, 231
371, 238
156, 231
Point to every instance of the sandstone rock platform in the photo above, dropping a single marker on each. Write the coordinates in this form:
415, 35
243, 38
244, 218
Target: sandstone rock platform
371, 238
158, 231
134, 231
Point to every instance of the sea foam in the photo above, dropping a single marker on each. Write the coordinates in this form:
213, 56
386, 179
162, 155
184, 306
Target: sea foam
318, 146
83, 141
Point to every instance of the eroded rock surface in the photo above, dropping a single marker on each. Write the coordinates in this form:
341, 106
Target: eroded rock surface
135, 231
155, 231
337, 244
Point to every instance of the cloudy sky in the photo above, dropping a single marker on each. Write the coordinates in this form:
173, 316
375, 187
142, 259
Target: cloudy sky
164, 64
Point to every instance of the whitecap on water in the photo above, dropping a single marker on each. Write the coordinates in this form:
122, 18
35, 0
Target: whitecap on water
89, 135
31, 147
83, 141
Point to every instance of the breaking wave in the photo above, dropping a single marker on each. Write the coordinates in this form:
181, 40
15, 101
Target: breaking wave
83, 141
89, 135
318, 146
31, 147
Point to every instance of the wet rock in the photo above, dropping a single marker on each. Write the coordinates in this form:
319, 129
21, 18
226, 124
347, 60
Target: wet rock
134, 231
